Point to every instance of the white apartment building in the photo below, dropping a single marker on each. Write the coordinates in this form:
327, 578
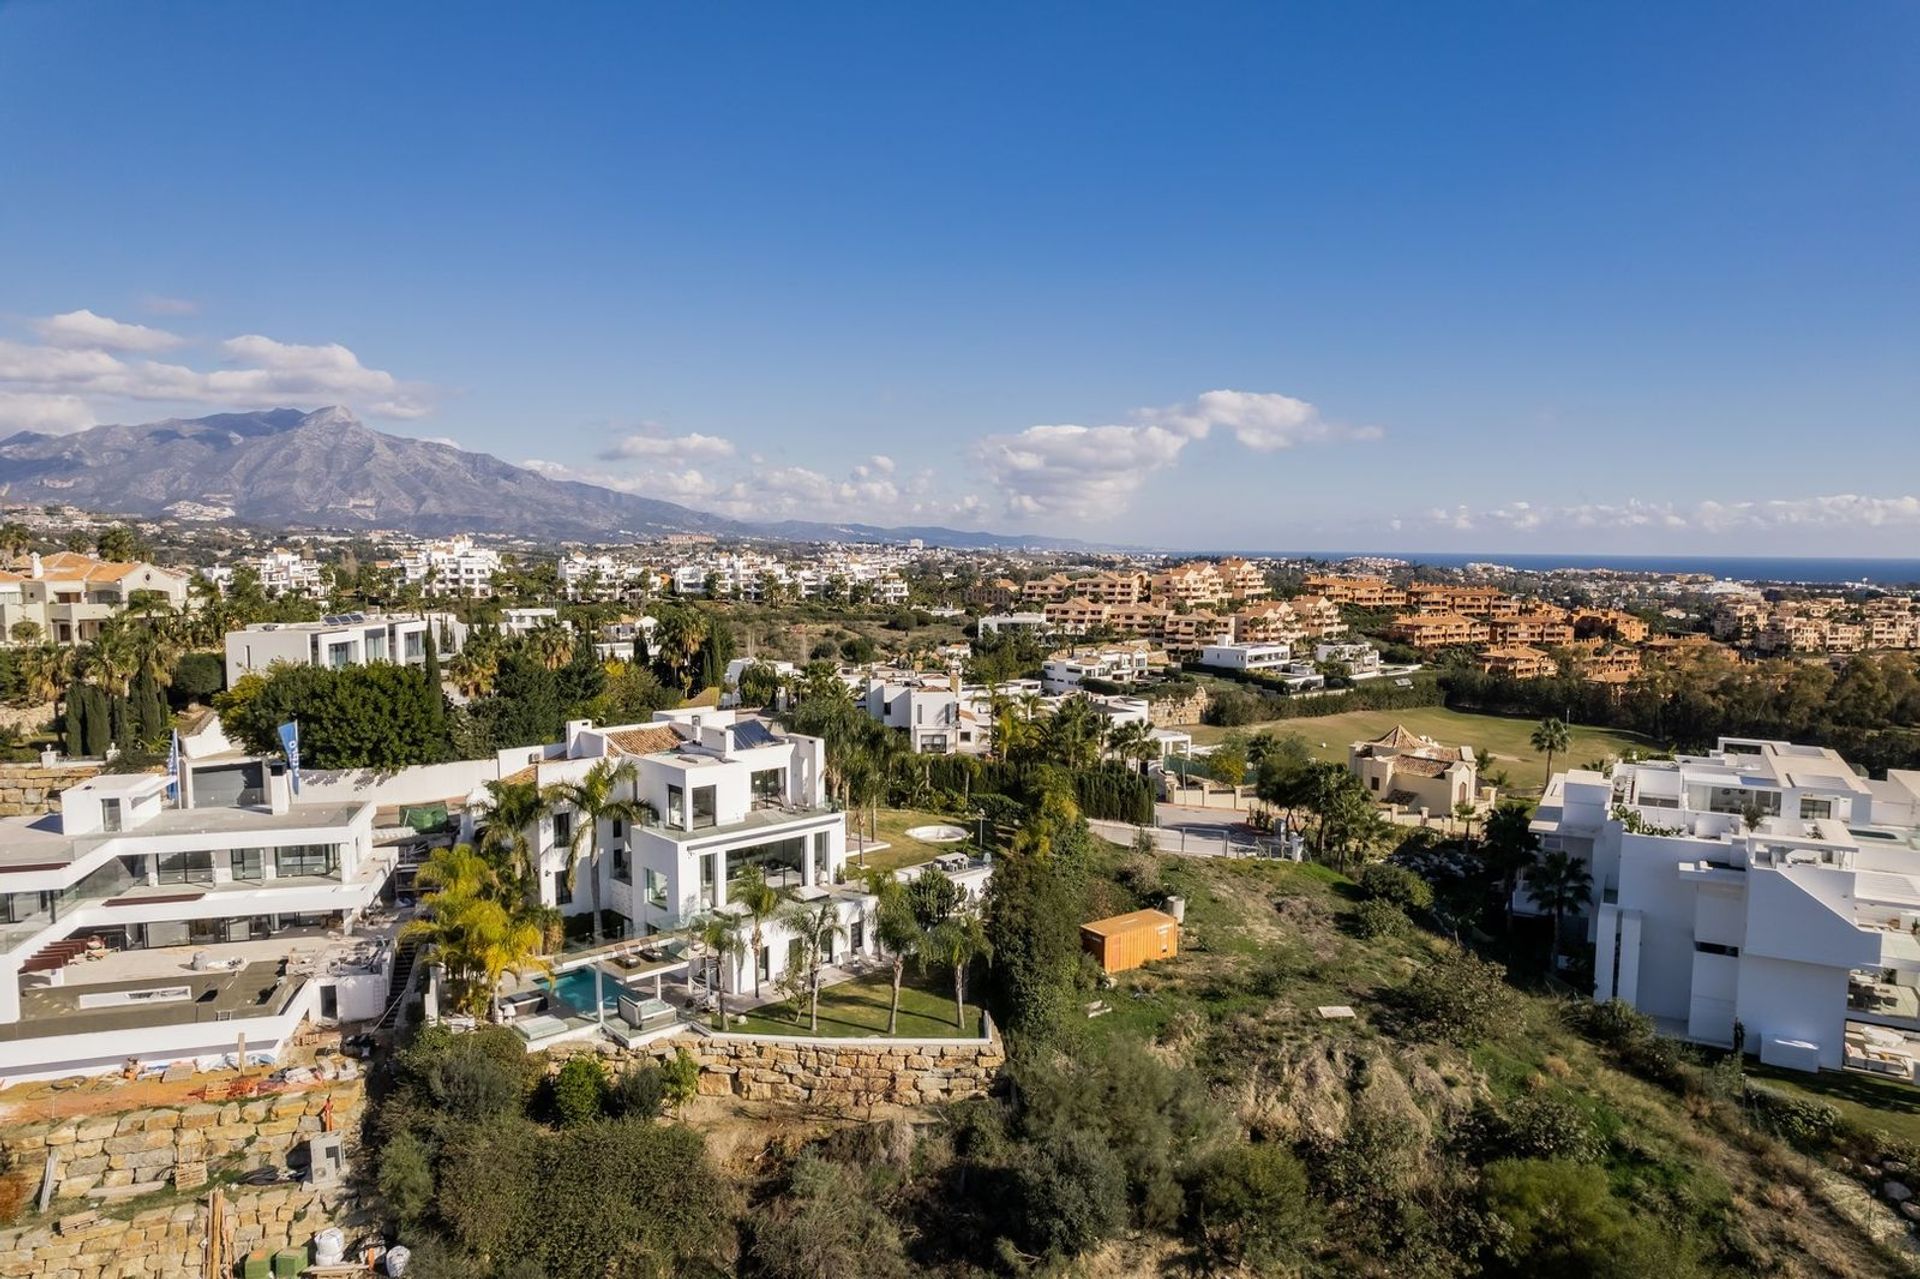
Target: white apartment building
453, 567
1763, 885
602, 577
343, 639
67, 596
105, 908
281, 573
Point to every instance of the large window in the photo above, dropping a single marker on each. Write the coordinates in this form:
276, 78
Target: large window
562, 890
563, 830
622, 865
704, 811
656, 890
306, 859
676, 807
186, 868
249, 863
769, 786
110, 815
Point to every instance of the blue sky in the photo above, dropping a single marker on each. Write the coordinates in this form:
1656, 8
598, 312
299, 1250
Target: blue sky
1526, 276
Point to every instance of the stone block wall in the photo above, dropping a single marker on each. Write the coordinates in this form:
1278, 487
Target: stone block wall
166, 1242
831, 1075
31, 789
1178, 712
175, 1144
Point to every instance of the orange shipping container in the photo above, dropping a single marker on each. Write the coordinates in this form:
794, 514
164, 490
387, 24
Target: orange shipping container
1130, 940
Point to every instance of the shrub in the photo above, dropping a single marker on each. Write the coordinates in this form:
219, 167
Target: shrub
637, 1093
1547, 1125
579, 1090
1561, 1219
1072, 1193
1459, 998
1798, 1121
1251, 1205
406, 1179
679, 1079
1378, 918
1383, 881
827, 1224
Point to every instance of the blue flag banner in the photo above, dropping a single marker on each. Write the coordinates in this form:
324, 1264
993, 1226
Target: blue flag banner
173, 767
290, 744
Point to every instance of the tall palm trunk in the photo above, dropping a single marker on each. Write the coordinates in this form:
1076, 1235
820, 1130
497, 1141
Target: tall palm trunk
960, 996
759, 945
893, 1012
593, 871
813, 1001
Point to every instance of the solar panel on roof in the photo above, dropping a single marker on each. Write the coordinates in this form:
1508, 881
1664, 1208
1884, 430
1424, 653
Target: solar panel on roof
750, 733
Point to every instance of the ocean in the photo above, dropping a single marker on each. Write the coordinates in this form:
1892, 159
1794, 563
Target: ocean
1879, 572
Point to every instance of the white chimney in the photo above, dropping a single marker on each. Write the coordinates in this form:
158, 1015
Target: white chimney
33, 562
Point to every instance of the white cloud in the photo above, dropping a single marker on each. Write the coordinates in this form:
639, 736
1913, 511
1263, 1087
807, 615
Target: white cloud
1259, 420
260, 372
1840, 511
85, 330
692, 445
1087, 473
47, 414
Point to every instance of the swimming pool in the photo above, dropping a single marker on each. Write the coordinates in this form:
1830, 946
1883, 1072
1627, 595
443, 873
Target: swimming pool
576, 987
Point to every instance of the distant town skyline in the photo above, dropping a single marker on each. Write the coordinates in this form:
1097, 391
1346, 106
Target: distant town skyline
1485, 278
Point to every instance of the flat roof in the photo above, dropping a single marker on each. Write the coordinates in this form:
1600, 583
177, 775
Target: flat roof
31, 842
1132, 921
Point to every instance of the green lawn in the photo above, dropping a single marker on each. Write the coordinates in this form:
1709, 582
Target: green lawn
903, 850
859, 1007
1865, 1100
1501, 743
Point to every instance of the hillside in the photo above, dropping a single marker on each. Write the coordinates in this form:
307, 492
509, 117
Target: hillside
282, 467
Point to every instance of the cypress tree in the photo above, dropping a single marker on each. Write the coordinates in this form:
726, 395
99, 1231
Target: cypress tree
76, 719
436, 697
96, 728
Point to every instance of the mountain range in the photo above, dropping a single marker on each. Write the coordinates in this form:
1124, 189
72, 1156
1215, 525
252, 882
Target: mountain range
292, 468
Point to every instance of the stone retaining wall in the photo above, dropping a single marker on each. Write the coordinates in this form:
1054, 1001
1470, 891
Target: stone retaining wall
31, 789
832, 1075
1178, 712
136, 1147
167, 1242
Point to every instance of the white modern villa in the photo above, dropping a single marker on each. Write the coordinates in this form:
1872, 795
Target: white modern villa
341, 639
728, 791
135, 928
1763, 885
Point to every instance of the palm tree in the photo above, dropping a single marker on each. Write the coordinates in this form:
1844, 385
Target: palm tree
817, 927
956, 942
899, 933
597, 797
1133, 742
459, 870
24, 631
1559, 883
1554, 738
1464, 812
751, 889
678, 637
722, 939
551, 644
510, 814
472, 935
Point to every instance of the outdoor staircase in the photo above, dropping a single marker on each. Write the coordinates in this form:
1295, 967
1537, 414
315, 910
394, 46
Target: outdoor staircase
56, 956
401, 984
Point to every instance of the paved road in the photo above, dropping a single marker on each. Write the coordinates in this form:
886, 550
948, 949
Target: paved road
1192, 832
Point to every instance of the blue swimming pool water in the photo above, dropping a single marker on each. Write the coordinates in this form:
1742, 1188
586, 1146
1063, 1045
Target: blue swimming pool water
576, 987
